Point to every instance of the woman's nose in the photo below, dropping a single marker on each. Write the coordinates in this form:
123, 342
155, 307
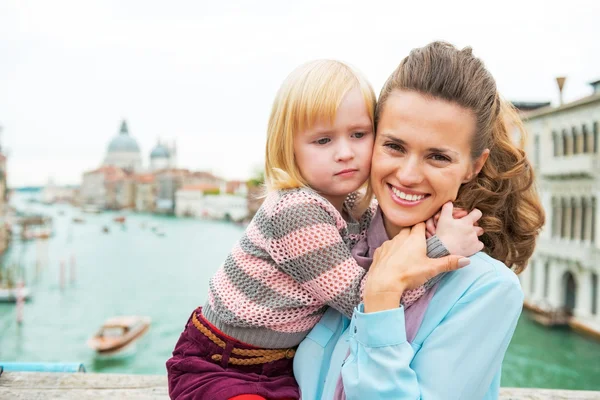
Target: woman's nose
410, 172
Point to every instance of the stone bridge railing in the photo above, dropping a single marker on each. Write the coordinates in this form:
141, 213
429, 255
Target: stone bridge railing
40, 385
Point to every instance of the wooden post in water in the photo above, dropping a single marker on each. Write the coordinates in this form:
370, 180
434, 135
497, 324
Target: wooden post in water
62, 274
73, 268
20, 300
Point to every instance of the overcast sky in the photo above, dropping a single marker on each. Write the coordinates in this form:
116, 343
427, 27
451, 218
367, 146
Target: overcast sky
205, 73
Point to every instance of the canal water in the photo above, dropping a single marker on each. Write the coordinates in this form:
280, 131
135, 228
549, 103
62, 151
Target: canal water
133, 271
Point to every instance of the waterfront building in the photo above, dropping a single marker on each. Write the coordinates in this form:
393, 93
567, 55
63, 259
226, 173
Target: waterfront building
563, 274
97, 187
168, 181
125, 192
123, 151
204, 178
209, 201
53, 193
189, 200
239, 188
145, 192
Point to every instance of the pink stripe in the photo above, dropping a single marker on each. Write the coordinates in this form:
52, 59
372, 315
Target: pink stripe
334, 281
271, 277
303, 241
257, 315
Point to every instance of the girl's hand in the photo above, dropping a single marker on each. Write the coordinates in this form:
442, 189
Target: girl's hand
459, 236
401, 264
432, 222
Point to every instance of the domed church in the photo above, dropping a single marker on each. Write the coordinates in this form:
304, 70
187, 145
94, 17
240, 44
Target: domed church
123, 151
162, 156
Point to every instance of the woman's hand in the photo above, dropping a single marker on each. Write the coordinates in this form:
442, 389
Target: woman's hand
457, 230
401, 264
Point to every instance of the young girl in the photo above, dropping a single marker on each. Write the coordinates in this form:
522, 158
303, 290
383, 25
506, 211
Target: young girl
294, 259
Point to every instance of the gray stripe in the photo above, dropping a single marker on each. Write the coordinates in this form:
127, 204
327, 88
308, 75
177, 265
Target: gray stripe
225, 315
435, 248
299, 216
261, 220
309, 266
256, 290
260, 337
251, 249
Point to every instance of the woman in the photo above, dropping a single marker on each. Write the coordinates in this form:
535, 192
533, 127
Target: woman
443, 134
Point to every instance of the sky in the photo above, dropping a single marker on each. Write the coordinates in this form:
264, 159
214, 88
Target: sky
205, 73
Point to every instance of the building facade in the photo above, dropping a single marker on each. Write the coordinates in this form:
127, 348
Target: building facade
564, 271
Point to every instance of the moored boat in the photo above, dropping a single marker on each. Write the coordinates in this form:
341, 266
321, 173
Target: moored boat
117, 333
10, 295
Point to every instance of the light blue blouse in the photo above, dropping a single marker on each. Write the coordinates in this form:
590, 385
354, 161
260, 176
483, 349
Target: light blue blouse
457, 352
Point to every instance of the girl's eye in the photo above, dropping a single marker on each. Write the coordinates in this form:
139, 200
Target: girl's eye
323, 141
394, 147
358, 135
440, 157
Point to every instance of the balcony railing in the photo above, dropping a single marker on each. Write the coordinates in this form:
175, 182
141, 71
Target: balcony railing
570, 166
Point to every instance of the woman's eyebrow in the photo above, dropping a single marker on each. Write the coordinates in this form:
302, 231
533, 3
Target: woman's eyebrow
432, 149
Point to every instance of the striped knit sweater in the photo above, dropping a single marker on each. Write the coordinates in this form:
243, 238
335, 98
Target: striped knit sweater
292, 262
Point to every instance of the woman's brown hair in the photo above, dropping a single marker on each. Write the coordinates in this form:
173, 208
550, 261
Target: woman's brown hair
504, 189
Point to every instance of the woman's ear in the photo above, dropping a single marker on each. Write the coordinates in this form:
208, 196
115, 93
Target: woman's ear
478, 165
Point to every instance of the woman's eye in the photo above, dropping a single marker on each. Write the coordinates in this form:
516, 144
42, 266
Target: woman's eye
394, 147
358, 135
440, 157
323, 141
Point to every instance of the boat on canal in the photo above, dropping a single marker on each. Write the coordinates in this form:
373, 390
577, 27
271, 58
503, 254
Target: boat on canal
119, 334
10, 295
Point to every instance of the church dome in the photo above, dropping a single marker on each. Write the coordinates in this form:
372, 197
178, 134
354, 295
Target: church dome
160, 151
123, 142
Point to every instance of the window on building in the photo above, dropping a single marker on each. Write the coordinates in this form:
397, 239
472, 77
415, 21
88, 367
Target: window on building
595, 135
584, 222
566, 139
594, 293
573, 218
564, 220
576, 140
593, 221
555, 143
586, 138
555, 208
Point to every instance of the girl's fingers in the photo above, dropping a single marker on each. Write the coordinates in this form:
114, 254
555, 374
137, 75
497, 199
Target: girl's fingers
430, 226
478, 231
459, 213
474, 215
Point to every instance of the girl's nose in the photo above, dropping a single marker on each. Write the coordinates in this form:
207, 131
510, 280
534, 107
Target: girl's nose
344, 152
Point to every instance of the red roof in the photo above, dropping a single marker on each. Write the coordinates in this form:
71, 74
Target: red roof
202, 187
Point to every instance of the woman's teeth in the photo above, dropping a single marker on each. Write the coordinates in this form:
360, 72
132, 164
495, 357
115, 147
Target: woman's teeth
409, 197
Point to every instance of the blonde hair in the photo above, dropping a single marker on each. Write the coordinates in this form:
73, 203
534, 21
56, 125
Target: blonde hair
504, 189
311, 92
